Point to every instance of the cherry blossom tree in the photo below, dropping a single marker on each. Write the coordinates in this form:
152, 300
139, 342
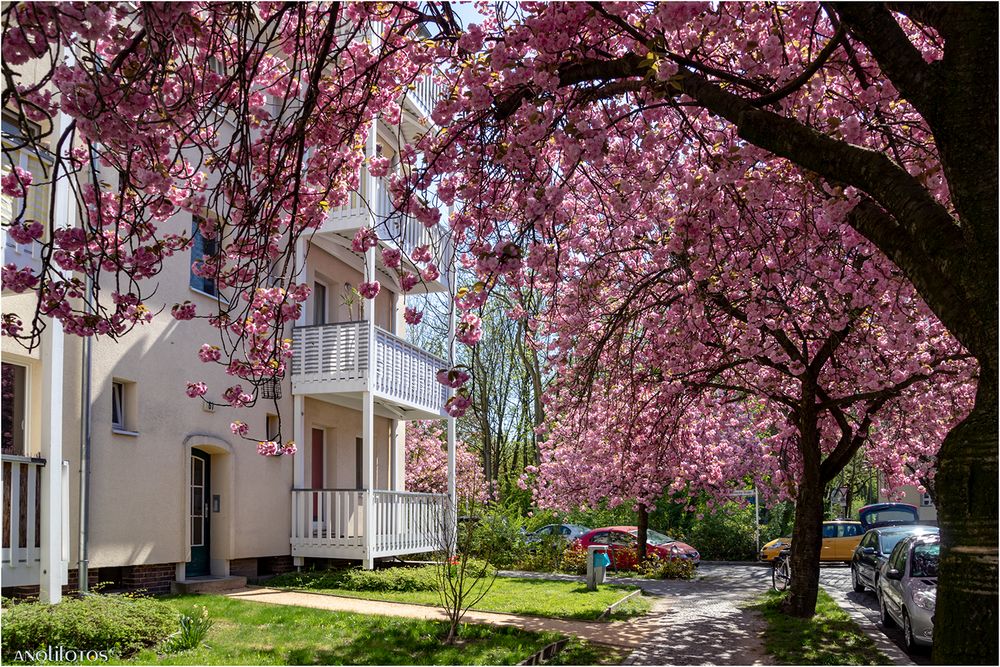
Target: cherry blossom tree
768, 346
249, 117
887, 111
427, 464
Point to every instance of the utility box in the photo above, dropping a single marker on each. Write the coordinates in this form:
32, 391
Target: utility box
597, 565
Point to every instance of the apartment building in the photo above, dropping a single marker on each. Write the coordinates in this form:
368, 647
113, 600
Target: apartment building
109, 468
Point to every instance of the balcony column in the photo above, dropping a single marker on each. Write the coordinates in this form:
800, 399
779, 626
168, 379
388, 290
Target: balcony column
368, 421
452, 491
299, 404
50, 572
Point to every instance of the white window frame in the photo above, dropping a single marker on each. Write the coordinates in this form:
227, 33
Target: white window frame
122, 399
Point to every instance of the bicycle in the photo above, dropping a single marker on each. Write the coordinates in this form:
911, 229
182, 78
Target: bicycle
781, 571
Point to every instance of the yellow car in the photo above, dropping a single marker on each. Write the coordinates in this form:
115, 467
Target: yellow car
770, 551
840, 539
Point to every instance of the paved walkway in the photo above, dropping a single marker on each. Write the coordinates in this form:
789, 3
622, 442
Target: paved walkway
617, 633
697, 622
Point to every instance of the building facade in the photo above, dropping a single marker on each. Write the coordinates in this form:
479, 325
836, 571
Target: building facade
109, 469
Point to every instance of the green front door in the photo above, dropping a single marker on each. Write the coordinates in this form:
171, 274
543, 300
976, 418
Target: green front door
201, 469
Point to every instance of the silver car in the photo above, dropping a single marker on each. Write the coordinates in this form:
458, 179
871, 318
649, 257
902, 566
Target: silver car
907, 589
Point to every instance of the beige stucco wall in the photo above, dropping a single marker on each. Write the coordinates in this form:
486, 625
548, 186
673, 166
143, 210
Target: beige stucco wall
336, 274
341, 427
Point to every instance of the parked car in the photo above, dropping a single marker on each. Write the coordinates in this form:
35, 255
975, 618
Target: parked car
770, 551
568, 531
840, 538
622, 542
907, 588
888, 514
874, 550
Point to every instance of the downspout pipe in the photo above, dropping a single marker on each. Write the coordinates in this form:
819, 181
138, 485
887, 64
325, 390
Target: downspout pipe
85, 440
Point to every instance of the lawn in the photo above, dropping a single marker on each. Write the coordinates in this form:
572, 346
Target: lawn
247, 633
830, 637
533, 597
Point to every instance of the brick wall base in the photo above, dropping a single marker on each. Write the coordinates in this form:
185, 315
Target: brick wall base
155, 579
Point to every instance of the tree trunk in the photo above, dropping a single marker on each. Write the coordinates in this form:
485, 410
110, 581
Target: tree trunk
965, 621
807, 541
642, 533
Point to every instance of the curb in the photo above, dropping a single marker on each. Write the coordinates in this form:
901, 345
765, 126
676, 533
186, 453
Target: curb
612, 606
539, 657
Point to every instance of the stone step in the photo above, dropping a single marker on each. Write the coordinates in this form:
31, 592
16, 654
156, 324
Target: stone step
208, 584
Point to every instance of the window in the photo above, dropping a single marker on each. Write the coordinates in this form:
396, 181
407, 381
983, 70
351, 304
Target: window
118, 405
13, 422
600, 538
202, 248
925, 560
547, 530
849, 530
359, 474
319, 303
829, 530
123, 416
622, 539
272, 427
37, 205
925, 500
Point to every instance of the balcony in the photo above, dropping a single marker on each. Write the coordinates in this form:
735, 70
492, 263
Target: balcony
333, 362
22, 520
394, 228
332, 523
22, 255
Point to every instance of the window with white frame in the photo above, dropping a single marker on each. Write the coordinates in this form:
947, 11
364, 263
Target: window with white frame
123, 408
202, 248
272, 427
926, 500
36, 206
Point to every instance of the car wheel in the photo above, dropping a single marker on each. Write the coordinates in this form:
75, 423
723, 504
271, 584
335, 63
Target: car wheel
911, 642
855, 581
883, 613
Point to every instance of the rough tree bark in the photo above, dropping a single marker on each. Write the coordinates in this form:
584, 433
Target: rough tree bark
642, 533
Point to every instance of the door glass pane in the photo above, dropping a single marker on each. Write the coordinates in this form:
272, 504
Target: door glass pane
197, 532
319, 303
197, 501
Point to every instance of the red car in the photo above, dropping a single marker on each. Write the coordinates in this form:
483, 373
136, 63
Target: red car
622, 543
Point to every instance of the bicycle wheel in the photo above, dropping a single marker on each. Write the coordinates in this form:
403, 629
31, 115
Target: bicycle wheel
780, 574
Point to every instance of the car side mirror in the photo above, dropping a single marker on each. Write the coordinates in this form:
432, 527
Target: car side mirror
894, 574
868, 551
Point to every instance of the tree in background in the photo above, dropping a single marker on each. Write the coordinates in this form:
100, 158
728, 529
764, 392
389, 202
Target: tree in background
427, 464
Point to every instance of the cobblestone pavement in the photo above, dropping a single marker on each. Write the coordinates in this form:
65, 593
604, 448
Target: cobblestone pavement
699, 622
863, 608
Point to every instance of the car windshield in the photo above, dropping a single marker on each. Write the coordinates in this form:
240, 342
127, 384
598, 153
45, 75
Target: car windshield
890, 540
655, 538
925, 560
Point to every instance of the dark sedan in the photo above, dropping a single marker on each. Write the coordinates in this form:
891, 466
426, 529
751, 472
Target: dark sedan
875, 548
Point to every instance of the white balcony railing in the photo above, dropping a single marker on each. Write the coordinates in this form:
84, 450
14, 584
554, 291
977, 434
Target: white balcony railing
407, 373
425, 94
22, 480
332, 358
330, 352
330, 523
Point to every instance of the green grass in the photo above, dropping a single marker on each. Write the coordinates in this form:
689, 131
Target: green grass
248, 633
533, 597
830, 637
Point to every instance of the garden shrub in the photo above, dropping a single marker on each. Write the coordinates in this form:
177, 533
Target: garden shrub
498, 536
574, 561
660, 568
392, 579
727, 534
122, 624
